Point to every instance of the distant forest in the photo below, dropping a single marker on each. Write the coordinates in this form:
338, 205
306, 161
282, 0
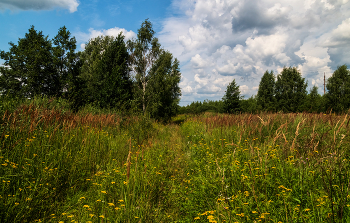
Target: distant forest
286, 92
139, 76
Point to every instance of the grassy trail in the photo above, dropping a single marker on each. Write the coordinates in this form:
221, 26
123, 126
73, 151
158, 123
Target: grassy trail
62, 167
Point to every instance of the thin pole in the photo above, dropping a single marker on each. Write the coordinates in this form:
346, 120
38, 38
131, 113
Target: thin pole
324, 83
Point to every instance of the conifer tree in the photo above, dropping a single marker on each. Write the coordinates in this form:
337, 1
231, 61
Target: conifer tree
231, 99
266, 94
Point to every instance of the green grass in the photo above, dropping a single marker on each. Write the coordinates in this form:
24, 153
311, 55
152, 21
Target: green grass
56, 166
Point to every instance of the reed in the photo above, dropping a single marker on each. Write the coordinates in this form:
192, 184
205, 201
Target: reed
59, 166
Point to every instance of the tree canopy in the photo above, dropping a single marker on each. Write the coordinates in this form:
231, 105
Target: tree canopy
338, 87
266, 93
290, 90
231, 99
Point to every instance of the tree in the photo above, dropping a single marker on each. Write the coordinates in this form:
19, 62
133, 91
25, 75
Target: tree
90, 59
338, 87
313, 102
38, 68
31, 67
249, 105
144, 52
290, 90
112, 86
163, 91
266, 100
231, 99
64, 59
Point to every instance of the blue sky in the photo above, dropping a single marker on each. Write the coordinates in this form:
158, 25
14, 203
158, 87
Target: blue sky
216, 41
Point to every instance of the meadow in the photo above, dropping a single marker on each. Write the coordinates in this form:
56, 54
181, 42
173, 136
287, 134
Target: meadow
99, 166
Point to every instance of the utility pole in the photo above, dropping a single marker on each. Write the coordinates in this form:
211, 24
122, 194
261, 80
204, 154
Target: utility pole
324, 83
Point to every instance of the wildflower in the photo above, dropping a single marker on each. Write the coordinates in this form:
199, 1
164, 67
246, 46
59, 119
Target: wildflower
102, 216
82, 198
104, 192
196, 218
16, 203
113, 182
91, 215
86, 206
6, 136
110, 204
121, 200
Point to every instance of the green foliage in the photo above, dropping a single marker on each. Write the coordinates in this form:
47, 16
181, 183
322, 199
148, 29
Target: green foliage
338, 87
249, 105
290, 90
65, 59
314, 101
163, 88
197, 107
144, 51
266, 100
36, 68
111, 86
231, 99
61, 167
31, 67
156, 75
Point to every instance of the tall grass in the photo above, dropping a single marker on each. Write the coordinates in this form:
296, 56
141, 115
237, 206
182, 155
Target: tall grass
58, 166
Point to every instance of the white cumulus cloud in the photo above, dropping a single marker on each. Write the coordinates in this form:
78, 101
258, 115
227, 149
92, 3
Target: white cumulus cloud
83, 38
217, 41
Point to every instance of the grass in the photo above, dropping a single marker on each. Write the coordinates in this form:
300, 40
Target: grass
57, 166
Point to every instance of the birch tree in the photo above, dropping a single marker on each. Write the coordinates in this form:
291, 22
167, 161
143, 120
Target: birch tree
144, 51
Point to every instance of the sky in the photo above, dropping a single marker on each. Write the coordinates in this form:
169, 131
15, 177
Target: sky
215, 41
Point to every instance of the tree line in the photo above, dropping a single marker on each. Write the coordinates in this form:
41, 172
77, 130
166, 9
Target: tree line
137, 74
286, 92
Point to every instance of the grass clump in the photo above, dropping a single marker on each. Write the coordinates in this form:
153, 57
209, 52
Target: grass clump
58, 166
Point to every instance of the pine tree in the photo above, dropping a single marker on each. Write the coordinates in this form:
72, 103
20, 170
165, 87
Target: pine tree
266, 94
231, 99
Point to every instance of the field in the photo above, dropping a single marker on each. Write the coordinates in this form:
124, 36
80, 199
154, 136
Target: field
58, 166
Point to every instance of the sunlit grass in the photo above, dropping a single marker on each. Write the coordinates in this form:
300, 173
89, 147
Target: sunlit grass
56, 166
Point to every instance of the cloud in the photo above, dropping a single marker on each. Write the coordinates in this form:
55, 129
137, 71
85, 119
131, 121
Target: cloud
83, 38
218, 41
71, 5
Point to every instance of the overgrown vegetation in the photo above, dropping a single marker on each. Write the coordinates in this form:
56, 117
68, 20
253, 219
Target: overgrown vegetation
59, 166
286, 94
110, 73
